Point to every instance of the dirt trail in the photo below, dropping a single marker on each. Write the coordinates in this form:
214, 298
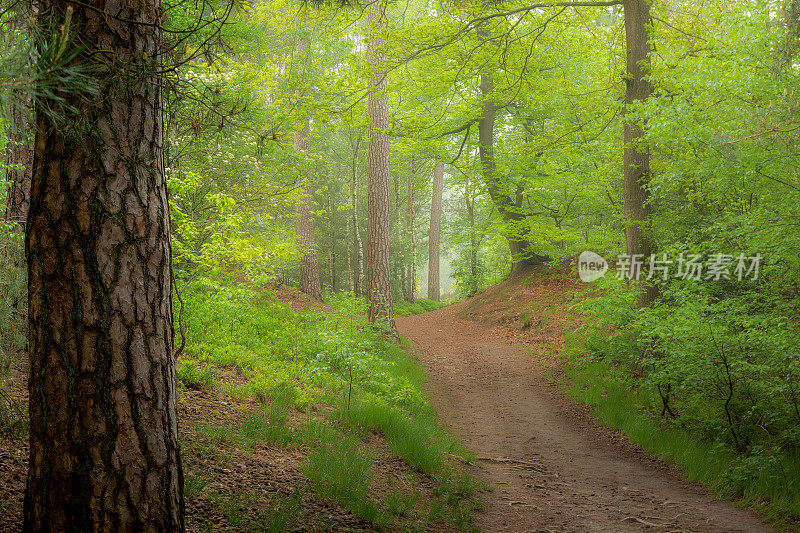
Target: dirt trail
551, 467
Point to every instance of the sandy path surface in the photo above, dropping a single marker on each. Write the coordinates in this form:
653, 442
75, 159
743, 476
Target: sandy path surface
550, 467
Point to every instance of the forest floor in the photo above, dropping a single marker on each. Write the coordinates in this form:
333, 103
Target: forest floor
490, 361
249, 484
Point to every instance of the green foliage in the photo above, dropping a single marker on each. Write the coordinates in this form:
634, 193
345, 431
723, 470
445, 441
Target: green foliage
422, 305
706, 378
309, 356
304, 360
193, 375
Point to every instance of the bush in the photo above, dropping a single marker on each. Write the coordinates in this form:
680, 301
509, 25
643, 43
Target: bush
721, 365
192, 375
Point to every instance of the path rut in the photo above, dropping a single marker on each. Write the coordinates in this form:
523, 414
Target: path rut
550, 467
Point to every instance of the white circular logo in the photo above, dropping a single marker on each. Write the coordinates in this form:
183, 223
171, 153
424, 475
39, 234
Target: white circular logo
591, 266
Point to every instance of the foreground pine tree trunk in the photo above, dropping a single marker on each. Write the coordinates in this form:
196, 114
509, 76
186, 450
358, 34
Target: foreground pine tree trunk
636, 154
103, 427
379, 289
435, 235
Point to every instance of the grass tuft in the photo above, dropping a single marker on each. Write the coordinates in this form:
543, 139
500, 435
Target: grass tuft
339, 470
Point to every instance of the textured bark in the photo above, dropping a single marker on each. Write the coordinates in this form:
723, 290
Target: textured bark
309, 264
516, 225
104, 452
435, 234
379, 289
636, 152
411, 276
358, 276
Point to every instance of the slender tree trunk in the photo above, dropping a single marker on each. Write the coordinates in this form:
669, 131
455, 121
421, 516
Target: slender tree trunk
309, 264
411, 294
436, 228
350, 273
19, 161
358, 278
19, 147
636, 152
473, 244
332, 247
104, 453
378, 278
310, 282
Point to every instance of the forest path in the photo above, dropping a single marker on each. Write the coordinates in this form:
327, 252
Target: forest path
550, 466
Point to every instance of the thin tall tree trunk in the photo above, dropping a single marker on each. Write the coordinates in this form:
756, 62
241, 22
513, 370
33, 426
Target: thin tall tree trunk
436, 228
309, 264
379, 288
636, 151
310, 282
349, 273
358, 278
19, 167
473, 244
332, 247
104, 452
411, 277
19, 146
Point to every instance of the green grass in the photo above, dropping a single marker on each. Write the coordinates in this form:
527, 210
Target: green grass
260, 425
194, 484
235, 506
340, 470
283, 511
350, 378
770, 484
418, 440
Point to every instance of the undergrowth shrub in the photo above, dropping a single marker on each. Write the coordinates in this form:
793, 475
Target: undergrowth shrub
13, 326
422, 305
718, 361
193, 375
311, 356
